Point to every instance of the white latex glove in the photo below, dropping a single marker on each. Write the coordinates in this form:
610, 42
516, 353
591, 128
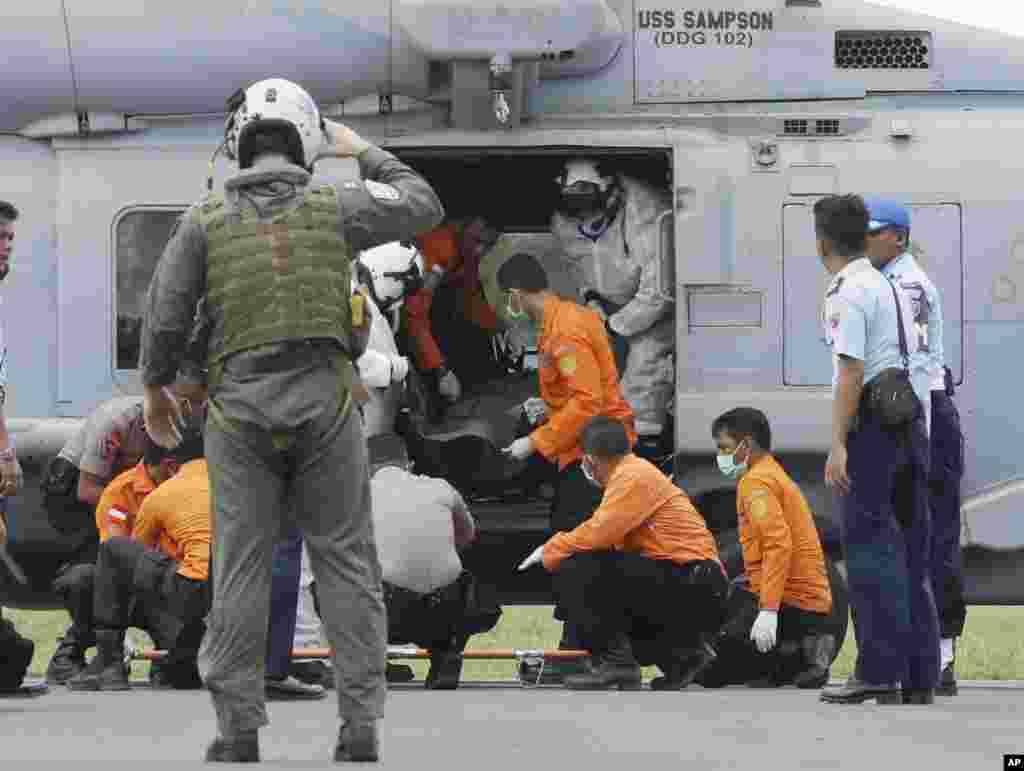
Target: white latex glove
520, 449
11, 477
535, 558
162, 415
765, 629
536, 409
595, 306
449, 387
399, 368
345, 142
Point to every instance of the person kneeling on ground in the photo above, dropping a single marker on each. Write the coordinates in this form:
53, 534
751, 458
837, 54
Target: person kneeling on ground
778, 632
642, 575
131, 571
420, 523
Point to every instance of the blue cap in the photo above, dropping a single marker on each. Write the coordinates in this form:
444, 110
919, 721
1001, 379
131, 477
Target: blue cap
886, 214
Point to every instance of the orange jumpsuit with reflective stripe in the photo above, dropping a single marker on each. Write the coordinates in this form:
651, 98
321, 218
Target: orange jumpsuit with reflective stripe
781, 548
578, 380
441, 247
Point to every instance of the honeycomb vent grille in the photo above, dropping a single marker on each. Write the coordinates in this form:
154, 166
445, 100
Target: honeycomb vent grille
883, 50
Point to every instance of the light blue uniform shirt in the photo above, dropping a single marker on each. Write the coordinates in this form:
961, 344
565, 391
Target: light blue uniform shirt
929, 360
861, 322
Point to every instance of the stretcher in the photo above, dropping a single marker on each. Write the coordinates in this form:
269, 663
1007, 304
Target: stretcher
529, 657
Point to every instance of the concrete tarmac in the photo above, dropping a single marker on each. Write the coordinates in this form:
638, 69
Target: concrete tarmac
507, 727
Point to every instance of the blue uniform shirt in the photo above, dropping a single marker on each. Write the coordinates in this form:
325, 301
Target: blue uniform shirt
861, 322
929, 360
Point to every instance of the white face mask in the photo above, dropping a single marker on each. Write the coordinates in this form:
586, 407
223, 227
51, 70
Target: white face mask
729, 467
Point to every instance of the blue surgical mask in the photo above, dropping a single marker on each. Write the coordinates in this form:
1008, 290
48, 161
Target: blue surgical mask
729, 467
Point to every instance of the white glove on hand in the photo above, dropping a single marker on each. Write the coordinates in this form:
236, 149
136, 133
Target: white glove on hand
535, 558
595, 306
162, 415
536, 410
765, 629
11, 477
399, 369
520, 449
449, 387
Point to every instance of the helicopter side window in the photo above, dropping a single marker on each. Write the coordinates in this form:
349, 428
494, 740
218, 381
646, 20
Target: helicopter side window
140, 235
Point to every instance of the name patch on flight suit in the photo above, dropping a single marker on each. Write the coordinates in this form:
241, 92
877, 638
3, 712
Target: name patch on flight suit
564, 356
382, 192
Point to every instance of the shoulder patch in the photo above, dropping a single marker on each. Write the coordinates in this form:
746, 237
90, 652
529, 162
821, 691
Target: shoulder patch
758, 506
382, 192
567, 363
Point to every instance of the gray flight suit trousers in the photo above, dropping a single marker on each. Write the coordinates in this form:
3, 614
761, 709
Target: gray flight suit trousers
282, 440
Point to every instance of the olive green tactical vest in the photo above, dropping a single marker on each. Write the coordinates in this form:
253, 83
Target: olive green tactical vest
287, 278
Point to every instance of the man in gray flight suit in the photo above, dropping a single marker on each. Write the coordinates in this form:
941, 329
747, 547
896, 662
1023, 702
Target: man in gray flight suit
272, 256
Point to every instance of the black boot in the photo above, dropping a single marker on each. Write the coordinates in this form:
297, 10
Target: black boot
68, 660
16, 664
445, 670
818, 651
615, 667
918, 696
855, 691
244, 748
682, 668
107, 671
358, 742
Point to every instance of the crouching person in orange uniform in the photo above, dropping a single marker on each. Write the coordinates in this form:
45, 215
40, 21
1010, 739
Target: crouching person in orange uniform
174, 519
777, 633
641, 578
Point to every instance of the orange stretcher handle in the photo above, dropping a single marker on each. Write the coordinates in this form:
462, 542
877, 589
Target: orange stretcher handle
417, 653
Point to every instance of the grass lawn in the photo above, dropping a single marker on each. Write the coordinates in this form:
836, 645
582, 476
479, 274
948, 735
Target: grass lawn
991, 648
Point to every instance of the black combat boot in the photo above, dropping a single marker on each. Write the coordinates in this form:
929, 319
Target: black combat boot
244, 748
818, 651
919, 696
682, 667
445, 670
615, 667
15, 666
856, 691
357, 742
68, 660
107, 670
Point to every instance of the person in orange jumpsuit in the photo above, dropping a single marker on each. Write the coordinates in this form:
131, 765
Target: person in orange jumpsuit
137, 571
641, 577
790, 600
578, 382
451, 254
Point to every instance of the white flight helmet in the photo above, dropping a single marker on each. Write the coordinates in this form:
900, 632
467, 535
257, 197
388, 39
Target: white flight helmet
391, 272
279, 104
583, 170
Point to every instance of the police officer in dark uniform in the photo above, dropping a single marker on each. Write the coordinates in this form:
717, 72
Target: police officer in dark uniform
272, 256
878, 467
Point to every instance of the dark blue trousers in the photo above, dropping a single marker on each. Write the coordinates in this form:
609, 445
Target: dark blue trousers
947, 469
886, 529
284, 601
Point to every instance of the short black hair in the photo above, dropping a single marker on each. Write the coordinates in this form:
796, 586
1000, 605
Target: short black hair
387, 450
605, 437
744, 422
190, 448
8, 211
843, 220
524, 272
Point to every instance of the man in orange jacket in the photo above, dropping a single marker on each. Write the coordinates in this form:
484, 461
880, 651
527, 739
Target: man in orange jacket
578, 382
451, 254
790, 599
641, 577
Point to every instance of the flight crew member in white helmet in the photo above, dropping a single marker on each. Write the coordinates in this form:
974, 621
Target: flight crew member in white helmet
272, 255
878, 466
888, 248
609, 228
